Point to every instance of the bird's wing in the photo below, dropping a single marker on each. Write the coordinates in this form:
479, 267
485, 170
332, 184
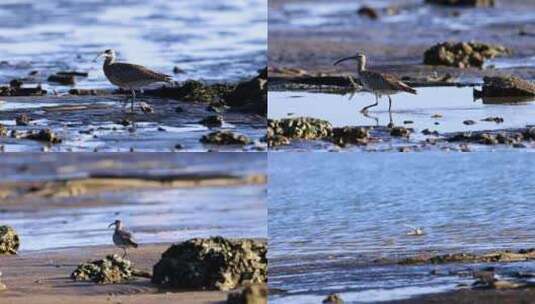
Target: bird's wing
127, 236
134, 72
398, 84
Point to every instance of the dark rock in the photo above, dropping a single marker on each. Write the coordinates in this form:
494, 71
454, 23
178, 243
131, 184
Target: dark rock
225, 138
366, 11
124, 122
179, 147
87, 92
9, 240
429, 132
19, 91
178, 70
494, 119
505, 86
212, 121
250, 294
22, 119
250, 96
15, 83
333, 299
45, 135
277, 140
212, 264
62, 79
469, 122
350, 135
72, 73
179, 110
462, 54
110, 270
473, 3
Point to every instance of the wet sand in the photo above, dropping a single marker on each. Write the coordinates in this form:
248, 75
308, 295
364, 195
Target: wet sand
393, 45
475, 296
43, 277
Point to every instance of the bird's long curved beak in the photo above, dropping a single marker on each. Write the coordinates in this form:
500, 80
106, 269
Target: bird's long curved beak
345, 59
111, 225
98, 56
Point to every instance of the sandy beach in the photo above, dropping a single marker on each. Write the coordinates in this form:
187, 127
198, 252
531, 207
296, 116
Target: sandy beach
43, 277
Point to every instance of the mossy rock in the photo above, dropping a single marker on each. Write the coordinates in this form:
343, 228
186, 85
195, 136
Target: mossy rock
333, 299
212, 264
250, 294
9, 240
299, 128
225, 138
111, 269
463, 54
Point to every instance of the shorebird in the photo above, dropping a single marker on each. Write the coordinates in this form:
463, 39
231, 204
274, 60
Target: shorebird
122, 238
129, 76
415, 231
379, 84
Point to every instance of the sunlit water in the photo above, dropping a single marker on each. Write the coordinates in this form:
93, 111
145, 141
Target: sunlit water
331, 215
342, 14
213, 40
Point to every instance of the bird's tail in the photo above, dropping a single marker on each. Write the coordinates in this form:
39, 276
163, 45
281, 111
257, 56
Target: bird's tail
134, 244
404, 87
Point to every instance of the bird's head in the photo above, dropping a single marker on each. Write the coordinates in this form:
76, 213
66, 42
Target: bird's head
117, 224
108, 54
359, 57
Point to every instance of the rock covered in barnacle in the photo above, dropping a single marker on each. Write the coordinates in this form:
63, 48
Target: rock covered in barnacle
9, 240
333, 299
505, 86
462, 54
350, 135
297, 128
214, 263
473, 3
111, 269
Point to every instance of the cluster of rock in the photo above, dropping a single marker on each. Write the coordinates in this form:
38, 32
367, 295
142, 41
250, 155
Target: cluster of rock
493, 257
15, 89
111, 269
248, 96
212, 264
462, 54
281, 132
9, 240
514, 138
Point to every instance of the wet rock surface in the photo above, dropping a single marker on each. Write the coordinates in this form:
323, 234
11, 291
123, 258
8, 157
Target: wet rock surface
250, 96
333, 299
505, 86
9, 240
224, 138
212, 121
350, 135
110, 270
212, 264
16, 89
462, 54
250, 294
492, 257
23, 120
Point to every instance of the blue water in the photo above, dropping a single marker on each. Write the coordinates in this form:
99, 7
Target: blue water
212, 40
332, 214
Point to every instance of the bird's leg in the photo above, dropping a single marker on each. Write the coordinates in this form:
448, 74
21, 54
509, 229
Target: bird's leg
365, 109
391, 123
133, 99
124, 252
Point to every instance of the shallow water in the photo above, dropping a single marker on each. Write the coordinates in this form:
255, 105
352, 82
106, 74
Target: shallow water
223, 40
153, 215
454, 104
332, 214
342, 14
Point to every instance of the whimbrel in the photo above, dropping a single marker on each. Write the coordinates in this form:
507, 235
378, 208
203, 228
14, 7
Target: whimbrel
129, 76
122, 238
377, 83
